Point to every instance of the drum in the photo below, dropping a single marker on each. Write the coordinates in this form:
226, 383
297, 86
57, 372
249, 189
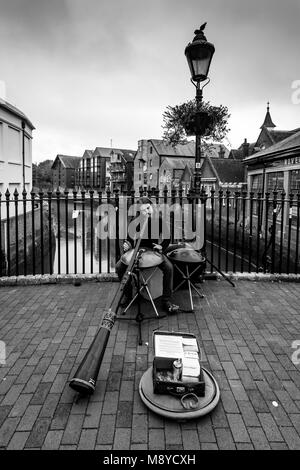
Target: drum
185, 256
148, 259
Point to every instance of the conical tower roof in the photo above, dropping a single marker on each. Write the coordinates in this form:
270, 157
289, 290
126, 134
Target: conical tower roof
268, 120
187, 175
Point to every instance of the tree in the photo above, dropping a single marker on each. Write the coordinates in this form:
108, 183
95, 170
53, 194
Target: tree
178, 122
42, 174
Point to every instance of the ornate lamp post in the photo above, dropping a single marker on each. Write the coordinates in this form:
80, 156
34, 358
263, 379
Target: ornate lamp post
199, 54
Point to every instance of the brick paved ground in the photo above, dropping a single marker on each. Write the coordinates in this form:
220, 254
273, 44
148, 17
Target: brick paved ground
246, 335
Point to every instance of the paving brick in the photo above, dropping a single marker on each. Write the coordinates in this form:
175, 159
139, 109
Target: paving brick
13, 394
4, 412
224, 439
156, 439
29, 418
49, 406
73, 429
206, 430
190, 439
7, 430
229, 402
238, 390
248, 414
230, 370
209, 446
122, 439
52, 440
238, 428
87, 439
291, 437
106, 429
124, 414
61, 416
40, 394
270, 427
51, 373
110, 403
59, 383
126, 392
218, 417
18, 441
139, 429
93, 414
38, 433
259, 439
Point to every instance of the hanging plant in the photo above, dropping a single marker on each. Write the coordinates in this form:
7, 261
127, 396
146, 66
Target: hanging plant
180, 121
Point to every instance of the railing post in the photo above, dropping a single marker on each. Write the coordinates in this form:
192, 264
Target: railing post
66, 194
250, 231
212, 224
41, 196
108, 194
16, 196
49, 194
291, 198
2, 255
75, 229
244, 195
117, 241
267, 195
220, 226
92, 228
297, 233
273, 231
58, 228
258, 230
282, 224
236, 206
83, 229
33, 230
227, 226
24, 194
99, 238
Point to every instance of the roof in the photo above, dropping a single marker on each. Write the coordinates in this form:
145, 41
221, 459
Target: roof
16, 111
88, 154
228, 170
67, 161
176, 163
278, 135
187, 175
290, 143
106, 151
186, 150
268, 120
180, 150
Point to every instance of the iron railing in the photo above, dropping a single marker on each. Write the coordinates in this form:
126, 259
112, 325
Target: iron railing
57, 232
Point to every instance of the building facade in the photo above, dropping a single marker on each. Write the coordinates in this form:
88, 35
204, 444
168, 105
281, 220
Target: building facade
64, 172
160, 165
95, 167
15, 149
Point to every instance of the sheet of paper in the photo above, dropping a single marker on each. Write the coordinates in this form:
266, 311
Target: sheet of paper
190, 344
168, 346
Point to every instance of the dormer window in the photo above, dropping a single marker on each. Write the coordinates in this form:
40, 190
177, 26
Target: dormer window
151, 149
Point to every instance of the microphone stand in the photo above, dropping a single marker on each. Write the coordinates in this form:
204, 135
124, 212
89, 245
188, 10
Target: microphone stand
139, 316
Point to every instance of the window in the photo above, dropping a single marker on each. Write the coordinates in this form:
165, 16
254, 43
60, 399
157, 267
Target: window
140, 176
275, 181
150, 176
140, 164
295, 181
150, 162
257, 183
151, 149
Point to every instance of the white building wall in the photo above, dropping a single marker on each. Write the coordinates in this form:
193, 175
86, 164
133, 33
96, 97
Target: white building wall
11, 159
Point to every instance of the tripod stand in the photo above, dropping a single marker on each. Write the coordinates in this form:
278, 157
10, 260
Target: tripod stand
140, 285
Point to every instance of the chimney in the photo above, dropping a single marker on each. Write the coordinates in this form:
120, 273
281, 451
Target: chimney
245, 146
221, 152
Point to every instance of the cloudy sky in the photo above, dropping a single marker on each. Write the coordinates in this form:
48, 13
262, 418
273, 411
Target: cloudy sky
88, 72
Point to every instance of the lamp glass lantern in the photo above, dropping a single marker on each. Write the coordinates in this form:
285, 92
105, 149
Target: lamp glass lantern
199, 54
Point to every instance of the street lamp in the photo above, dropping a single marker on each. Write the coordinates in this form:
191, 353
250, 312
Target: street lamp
199, 54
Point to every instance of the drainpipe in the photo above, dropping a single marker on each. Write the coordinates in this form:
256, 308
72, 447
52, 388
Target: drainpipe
23, 154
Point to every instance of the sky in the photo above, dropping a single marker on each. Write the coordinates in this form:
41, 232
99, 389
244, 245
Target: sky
91, 73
